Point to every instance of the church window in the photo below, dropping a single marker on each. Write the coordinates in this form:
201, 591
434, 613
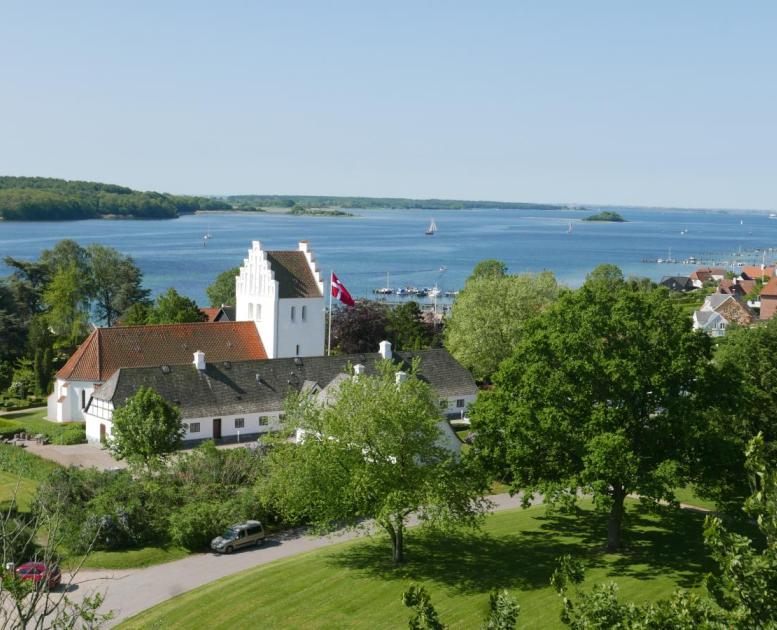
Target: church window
250, 311
258, 313
304, 313
293, 313
297, 350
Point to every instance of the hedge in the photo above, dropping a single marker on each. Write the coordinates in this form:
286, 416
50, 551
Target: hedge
17, 461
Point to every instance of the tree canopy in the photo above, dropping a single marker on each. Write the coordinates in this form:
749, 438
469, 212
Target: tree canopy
488, 316
606, 390
48, 199
222, 290
146, 428
374, 452
171, 307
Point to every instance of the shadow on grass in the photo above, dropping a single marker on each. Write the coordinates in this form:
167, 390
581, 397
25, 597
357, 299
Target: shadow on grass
667, 545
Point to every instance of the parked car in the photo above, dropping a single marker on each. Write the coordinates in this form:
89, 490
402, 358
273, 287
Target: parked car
39, 573
237, 536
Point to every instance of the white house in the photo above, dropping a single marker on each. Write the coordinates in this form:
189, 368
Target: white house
224, 400
283, 293
279, 312
108, 349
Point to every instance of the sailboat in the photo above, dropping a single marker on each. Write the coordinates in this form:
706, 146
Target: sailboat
431, 229
569, 229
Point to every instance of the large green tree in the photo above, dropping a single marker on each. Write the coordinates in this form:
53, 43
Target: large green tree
117, 283
68, 307
374, 452
146, 428
607, 391
488, 316
407, 328
745, 356
173, 308
222, 290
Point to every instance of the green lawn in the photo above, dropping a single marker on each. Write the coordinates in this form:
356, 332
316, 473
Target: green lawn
354, 584
34, 422
687, 496
130, 558
23, 489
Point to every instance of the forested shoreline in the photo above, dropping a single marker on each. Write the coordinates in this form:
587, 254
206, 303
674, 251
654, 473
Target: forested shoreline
49, 199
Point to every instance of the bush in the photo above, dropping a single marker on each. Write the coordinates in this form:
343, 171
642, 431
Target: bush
73, 434
19, 462
195, 524
9, 428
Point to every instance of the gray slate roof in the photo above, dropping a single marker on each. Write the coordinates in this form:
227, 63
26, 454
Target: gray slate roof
224, 389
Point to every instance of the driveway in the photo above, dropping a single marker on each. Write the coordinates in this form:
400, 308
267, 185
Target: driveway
83, 455
128, 592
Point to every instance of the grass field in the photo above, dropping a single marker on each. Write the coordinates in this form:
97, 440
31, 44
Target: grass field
34, 422
131, 558
354, 585
12, 485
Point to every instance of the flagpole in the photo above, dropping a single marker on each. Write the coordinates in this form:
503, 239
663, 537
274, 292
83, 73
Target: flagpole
329, 335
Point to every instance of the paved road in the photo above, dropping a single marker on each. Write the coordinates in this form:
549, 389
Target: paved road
128, 592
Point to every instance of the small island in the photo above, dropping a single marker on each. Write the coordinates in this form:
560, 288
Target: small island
300, 211
606, 215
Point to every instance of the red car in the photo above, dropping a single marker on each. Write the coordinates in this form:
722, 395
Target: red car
38, 572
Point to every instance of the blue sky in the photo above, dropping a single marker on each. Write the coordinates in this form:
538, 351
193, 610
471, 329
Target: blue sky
651, 103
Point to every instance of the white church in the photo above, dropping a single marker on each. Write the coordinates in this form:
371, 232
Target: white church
279, 312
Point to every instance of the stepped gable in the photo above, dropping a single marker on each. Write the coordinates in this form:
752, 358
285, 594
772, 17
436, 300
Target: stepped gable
293, 274
108, 349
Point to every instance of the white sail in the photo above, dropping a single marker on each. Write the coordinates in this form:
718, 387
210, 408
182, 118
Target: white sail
432, 228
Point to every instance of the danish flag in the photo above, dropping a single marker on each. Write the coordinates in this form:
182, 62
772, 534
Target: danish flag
340, 292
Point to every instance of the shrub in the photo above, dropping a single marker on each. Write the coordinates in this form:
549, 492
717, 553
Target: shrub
19, 462
73, 434
195, 524
9, 428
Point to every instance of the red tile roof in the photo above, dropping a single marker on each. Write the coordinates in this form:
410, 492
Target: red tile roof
754, 272
770, 289
108, 349
210, 313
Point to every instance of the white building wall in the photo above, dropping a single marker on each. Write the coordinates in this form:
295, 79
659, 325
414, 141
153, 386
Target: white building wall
307, 333
256, 299
102, 413
68, 400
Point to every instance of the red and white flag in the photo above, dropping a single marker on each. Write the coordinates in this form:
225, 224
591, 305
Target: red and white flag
340, 292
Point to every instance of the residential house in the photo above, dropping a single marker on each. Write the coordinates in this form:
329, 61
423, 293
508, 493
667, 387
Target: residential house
707, 274
769, 299
718, 312
759, 272
677, 283
231, 400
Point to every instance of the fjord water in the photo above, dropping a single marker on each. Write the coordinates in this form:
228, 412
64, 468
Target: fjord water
363, 248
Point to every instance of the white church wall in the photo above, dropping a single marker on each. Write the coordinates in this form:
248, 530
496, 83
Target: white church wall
300, 327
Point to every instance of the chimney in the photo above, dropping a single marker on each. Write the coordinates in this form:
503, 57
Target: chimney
400, 377
358, 369
199, 360
385, 349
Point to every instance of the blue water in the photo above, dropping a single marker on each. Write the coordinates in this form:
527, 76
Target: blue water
364, 248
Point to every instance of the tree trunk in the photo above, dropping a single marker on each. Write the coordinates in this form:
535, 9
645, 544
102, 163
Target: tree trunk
616, 519
396, 533
399, 544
